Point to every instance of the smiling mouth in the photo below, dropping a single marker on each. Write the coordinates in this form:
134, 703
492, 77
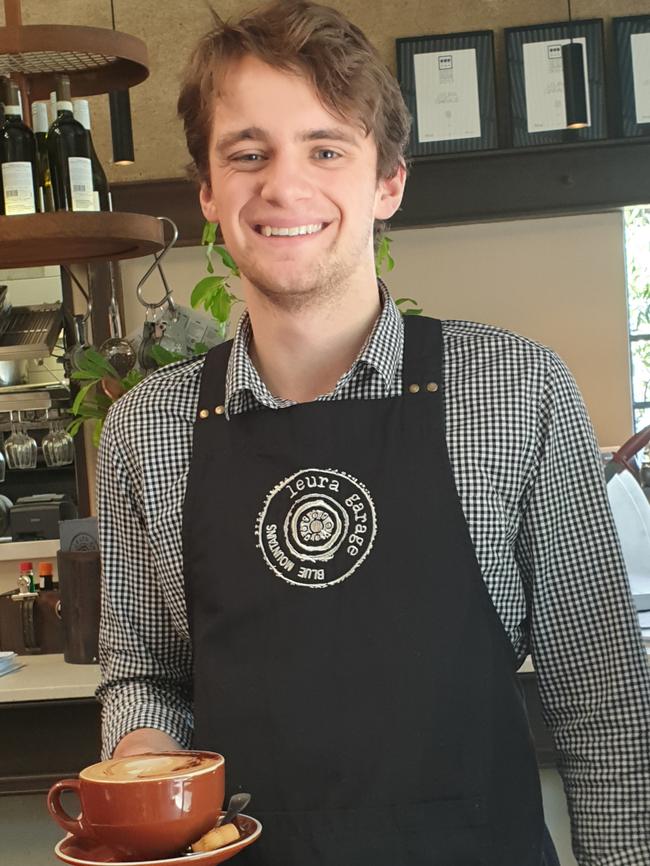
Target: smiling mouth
290, 231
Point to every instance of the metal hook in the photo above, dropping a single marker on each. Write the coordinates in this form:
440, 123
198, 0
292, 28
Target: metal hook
157, 259
86, 295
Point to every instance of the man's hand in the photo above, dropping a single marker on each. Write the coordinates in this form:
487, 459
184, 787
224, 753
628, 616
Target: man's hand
145, 740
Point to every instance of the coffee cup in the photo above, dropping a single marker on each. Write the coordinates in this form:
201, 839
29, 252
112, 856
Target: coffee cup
145, 806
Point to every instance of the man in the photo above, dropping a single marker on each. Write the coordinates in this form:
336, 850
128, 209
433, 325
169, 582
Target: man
380, 517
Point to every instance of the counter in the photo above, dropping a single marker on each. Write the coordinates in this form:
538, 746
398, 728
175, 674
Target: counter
48, 677
50, 722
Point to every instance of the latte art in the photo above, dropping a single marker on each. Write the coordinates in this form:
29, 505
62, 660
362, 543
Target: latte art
144, 767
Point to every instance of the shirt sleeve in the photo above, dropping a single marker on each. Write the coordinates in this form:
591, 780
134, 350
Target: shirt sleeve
591, 665
145, 662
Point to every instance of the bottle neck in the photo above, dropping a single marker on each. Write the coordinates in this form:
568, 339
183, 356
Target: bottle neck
39, 117
13, 111
63, 106
81, 112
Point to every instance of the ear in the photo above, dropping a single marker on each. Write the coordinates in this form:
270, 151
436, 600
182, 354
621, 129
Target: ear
208, 204
389, 193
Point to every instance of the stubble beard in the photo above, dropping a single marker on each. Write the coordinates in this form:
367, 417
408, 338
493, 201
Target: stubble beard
323, 287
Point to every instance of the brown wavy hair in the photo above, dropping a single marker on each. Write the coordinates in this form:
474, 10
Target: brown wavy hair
315, 41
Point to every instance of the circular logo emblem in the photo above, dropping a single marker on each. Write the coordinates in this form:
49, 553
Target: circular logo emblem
316, 527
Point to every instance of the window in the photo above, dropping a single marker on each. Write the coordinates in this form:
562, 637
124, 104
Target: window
637, 248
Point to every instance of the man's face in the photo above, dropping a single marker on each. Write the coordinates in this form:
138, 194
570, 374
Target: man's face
293, 187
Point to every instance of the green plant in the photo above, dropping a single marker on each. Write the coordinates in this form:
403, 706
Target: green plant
103, 384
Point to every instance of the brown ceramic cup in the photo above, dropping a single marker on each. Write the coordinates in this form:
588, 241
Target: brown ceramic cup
145, 806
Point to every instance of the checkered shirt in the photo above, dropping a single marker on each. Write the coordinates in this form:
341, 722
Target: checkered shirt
530, 482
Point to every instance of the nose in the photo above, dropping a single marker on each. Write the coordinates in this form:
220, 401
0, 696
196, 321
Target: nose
284, 181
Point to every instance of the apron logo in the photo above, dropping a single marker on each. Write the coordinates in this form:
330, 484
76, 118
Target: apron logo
316, 527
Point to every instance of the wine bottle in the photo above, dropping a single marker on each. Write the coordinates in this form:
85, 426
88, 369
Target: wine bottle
40, 127
68, 150
100, 184
18, 178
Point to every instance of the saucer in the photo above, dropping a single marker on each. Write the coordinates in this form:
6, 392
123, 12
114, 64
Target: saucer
85, 852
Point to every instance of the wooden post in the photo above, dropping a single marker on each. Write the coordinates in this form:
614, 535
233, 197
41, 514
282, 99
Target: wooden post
13, 13
79, 583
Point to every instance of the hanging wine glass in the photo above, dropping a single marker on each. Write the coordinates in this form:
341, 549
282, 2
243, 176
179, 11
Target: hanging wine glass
64, 447
21, 450
58, 446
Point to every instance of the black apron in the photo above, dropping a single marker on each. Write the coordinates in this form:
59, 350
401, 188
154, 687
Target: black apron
348, 660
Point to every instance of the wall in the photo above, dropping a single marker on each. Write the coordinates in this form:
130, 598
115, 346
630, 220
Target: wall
559, 281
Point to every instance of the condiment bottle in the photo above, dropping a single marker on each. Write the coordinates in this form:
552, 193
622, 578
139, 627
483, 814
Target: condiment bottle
27, 571
45, 576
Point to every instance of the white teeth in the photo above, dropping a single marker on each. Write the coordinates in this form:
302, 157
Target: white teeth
271, 231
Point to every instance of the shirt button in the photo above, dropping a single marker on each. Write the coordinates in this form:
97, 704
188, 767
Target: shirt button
219, 410
414, 389
203, 413
432, 386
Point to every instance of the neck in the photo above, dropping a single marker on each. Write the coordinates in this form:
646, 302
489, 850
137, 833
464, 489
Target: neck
301, 354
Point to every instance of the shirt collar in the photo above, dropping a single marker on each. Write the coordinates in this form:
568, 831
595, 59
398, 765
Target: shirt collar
382, 352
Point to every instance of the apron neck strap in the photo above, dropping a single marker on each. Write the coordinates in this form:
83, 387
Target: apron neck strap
423, 351
213, 380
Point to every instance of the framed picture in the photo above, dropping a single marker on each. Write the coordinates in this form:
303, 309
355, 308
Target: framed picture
536, 76
448, 85
632, 39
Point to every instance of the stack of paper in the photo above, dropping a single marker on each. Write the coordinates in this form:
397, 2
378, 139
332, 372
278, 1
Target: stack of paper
9, 662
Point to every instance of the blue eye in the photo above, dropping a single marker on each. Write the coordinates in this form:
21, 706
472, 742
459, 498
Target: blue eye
331, 154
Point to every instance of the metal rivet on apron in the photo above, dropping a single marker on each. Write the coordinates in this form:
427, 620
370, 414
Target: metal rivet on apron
219, 410
432, 386
414, 389
203, 413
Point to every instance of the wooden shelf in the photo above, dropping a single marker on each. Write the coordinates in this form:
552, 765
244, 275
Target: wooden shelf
96, 59
522, 183
69, 238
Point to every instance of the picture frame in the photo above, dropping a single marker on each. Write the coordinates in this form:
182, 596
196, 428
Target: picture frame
448, 84
631, 35
536, 79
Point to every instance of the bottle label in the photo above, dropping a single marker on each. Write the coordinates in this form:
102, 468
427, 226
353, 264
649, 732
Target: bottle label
81, 183
18, 182
96, 200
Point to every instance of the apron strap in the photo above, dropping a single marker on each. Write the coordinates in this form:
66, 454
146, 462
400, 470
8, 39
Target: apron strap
423, 352
423, 357
213, 378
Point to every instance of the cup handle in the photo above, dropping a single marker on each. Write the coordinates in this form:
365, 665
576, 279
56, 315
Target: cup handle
76, 826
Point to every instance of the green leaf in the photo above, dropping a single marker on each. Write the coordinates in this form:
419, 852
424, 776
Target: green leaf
81, 396
417, 312
75, 426
89, 409
383, 256
92, 361
97, 432
84, 374
204, 289
163, 356
228, 260
400, 301
200, 349
221, 306
209, 235
132, 378
208, 254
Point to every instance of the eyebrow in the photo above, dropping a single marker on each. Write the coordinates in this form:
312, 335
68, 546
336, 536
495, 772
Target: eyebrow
256, 133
